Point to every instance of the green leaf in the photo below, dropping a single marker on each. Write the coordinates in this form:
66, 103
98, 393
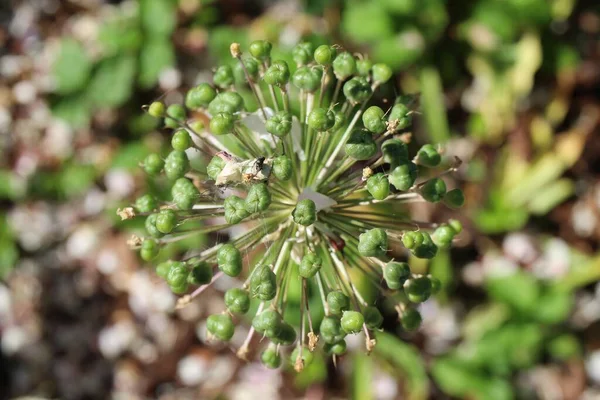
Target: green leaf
120, 35
130, 156
156, 55
434, 110
9, 253
520, 290
366, 22
158, 17
408, 362
456, 378
72, 68
111, 85
362, 377
75, 110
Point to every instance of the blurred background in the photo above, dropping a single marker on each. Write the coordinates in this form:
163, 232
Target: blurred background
512, 87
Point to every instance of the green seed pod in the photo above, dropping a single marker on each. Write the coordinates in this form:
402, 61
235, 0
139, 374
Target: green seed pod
149, 249
321, 119
352, 321
373, 119
184, 194
252, 67
418, 289
229, 260
454, 198
378, 186
443, 236
309, 266
181, 140
223, 77
433, 190
153, 164
200, 274
166, 221
340, 121
196, 126
226, 102
403, 177
363, 66
395, 152
338, 348
285, 336
175, 116
237, 301
156, 109
357, 89
260, 49
176, 165
200, 96
305, 212
162, 269
147, 203
395, 274
411, 319
324, 54
214, 167
400, 117
307, 356
282, 168
337, 302
360, 145
428, 156
302, 53
277, 74
235, 210
436, 284
331, 330
177, 278
420, 244
280, 124
373, 243
221, 326
150, 225
222, 123
344, 66
307, 78
263, 283
258, 199
373, 317
270, 358
381, 73
455, 224
267, 321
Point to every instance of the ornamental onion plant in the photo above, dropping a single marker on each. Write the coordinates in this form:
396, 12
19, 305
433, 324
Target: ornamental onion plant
315, 182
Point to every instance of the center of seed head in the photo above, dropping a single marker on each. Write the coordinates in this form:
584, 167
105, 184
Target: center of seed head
322, 202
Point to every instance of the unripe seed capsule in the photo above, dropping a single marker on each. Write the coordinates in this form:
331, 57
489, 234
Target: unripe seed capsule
352, 321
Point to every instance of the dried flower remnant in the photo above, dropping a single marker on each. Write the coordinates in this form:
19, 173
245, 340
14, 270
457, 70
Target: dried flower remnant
316, 191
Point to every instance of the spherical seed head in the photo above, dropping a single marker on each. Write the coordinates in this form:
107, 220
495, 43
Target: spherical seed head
283, 169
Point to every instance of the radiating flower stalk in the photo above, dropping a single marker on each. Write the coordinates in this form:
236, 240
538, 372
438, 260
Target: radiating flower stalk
315, 177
